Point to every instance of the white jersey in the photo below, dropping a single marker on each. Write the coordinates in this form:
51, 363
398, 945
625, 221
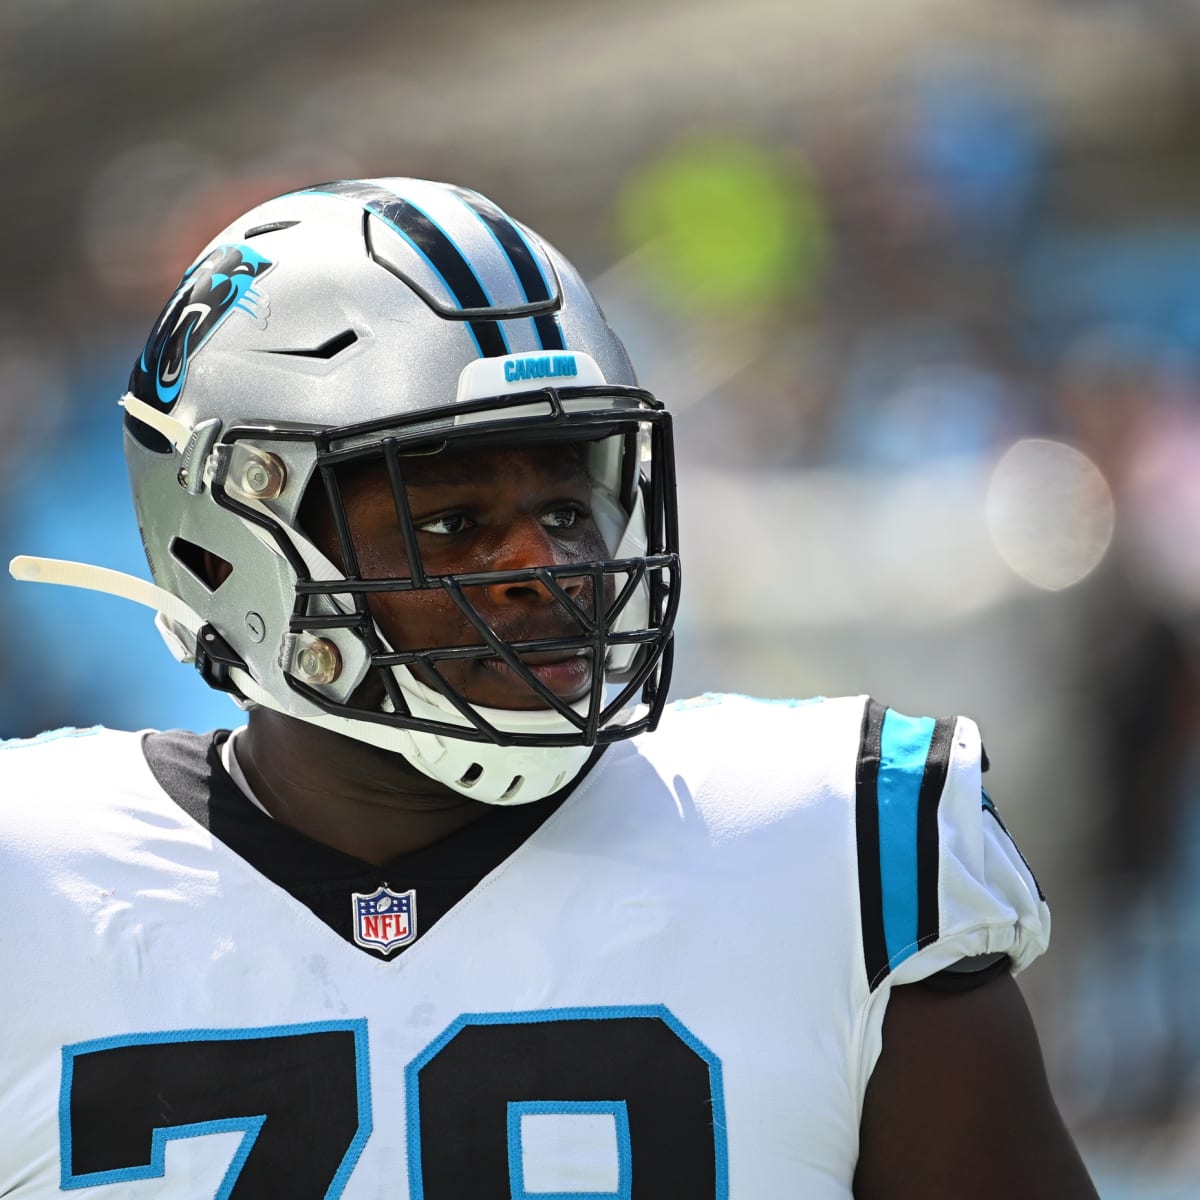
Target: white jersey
674, 987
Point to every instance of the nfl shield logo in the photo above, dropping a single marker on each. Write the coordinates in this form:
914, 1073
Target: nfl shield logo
384, 920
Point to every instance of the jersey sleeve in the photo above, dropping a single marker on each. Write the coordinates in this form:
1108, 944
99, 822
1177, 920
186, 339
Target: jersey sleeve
940, 879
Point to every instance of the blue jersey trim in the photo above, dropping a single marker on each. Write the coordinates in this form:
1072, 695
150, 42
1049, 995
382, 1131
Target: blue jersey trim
904, 748
50, 735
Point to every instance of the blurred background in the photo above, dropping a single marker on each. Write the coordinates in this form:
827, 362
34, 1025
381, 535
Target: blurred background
921, 282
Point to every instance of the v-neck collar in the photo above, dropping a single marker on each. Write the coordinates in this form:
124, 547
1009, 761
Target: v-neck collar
188, 767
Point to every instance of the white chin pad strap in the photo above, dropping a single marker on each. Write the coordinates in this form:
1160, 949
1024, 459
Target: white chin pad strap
484, 771
479, 770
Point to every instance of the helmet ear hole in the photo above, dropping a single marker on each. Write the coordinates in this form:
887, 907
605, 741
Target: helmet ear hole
208, 568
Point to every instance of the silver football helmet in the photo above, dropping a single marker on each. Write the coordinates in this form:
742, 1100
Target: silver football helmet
385, 321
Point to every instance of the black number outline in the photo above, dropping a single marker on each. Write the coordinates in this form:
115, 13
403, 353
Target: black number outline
416, 1186
248, 1126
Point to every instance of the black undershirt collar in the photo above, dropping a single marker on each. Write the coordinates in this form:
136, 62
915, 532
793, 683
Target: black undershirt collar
188, 767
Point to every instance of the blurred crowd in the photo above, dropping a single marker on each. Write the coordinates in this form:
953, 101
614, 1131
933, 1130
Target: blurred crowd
930, 322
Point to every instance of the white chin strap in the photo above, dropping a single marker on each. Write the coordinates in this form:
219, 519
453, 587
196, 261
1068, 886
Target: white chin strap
483, 771
480, 770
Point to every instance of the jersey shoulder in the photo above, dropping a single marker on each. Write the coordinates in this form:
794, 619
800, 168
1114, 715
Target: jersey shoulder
940, 878
62, 754
898, 801
721, 725
69, 780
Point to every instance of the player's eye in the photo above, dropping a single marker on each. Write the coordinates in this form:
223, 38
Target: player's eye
446, 525
566, 517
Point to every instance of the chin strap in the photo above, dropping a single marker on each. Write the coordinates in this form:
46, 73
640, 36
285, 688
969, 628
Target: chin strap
176, 432
188, 636
181, 627
29, 569
173, 616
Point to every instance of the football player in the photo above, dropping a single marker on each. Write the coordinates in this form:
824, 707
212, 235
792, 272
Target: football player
464, 908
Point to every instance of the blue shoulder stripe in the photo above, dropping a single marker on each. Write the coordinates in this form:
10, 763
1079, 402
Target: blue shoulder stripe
901, 773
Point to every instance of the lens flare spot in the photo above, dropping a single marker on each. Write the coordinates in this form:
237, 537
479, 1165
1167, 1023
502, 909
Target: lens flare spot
1050, 513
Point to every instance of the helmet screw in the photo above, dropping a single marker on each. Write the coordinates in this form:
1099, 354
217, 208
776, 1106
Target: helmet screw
256, 626
264, 477
319, 662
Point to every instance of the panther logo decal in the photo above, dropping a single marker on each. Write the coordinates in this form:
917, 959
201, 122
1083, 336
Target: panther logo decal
212, 288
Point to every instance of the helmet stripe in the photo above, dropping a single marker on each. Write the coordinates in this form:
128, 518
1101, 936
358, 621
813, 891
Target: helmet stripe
436, 249
519, 253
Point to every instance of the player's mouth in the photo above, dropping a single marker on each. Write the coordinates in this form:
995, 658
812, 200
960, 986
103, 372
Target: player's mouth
568, 674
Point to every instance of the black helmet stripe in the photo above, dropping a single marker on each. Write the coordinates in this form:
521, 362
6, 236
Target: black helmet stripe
529, 274
437, 249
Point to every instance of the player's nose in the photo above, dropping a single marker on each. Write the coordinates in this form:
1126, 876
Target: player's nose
526, 546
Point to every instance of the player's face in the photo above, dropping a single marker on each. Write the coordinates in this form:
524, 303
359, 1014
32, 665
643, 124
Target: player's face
482, 510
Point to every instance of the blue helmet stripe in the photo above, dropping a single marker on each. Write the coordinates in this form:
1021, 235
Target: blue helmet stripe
436, 248
524, 263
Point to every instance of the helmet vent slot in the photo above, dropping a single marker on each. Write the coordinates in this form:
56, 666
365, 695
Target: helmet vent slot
326, 350
470, 775
273, 227
208, 568
513, 788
